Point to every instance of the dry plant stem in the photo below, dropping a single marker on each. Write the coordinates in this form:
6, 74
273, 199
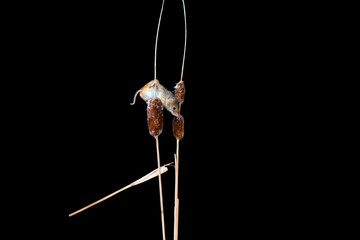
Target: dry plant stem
99, 201
155, 74
157, 36
139, 181
178, 132
176, 214
182, 68
160, 189
176, 209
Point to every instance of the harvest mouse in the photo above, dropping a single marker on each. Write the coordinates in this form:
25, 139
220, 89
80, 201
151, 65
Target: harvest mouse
168, 99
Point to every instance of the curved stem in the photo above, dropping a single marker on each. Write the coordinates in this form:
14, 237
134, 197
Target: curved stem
157, 36
182, 68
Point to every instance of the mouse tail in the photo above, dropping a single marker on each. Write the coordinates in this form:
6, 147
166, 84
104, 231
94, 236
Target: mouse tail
135, 97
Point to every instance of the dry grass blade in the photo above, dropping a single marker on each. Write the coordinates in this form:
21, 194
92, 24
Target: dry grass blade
147, 177
152, 174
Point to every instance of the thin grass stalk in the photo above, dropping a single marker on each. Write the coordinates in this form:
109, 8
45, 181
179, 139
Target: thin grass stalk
176, 209
178, 132
160, 189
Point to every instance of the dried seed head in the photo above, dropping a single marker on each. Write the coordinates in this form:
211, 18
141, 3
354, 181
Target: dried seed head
178, 127
180, 91
155, 116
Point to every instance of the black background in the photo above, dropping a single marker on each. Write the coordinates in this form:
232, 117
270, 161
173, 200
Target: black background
83, 64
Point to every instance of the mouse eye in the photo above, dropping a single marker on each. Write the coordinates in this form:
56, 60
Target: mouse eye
174, 108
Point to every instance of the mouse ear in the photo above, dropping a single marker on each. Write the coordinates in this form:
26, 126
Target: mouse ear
155, 116
180, 91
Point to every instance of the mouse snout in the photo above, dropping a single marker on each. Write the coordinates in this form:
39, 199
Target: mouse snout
176, 114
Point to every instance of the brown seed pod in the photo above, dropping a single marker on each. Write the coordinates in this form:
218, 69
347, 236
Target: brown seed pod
178, 127
180, 91
155, 116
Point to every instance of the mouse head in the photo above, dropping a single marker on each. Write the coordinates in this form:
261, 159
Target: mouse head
172, 105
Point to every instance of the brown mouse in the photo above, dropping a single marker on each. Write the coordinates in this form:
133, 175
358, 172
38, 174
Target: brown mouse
167, 98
